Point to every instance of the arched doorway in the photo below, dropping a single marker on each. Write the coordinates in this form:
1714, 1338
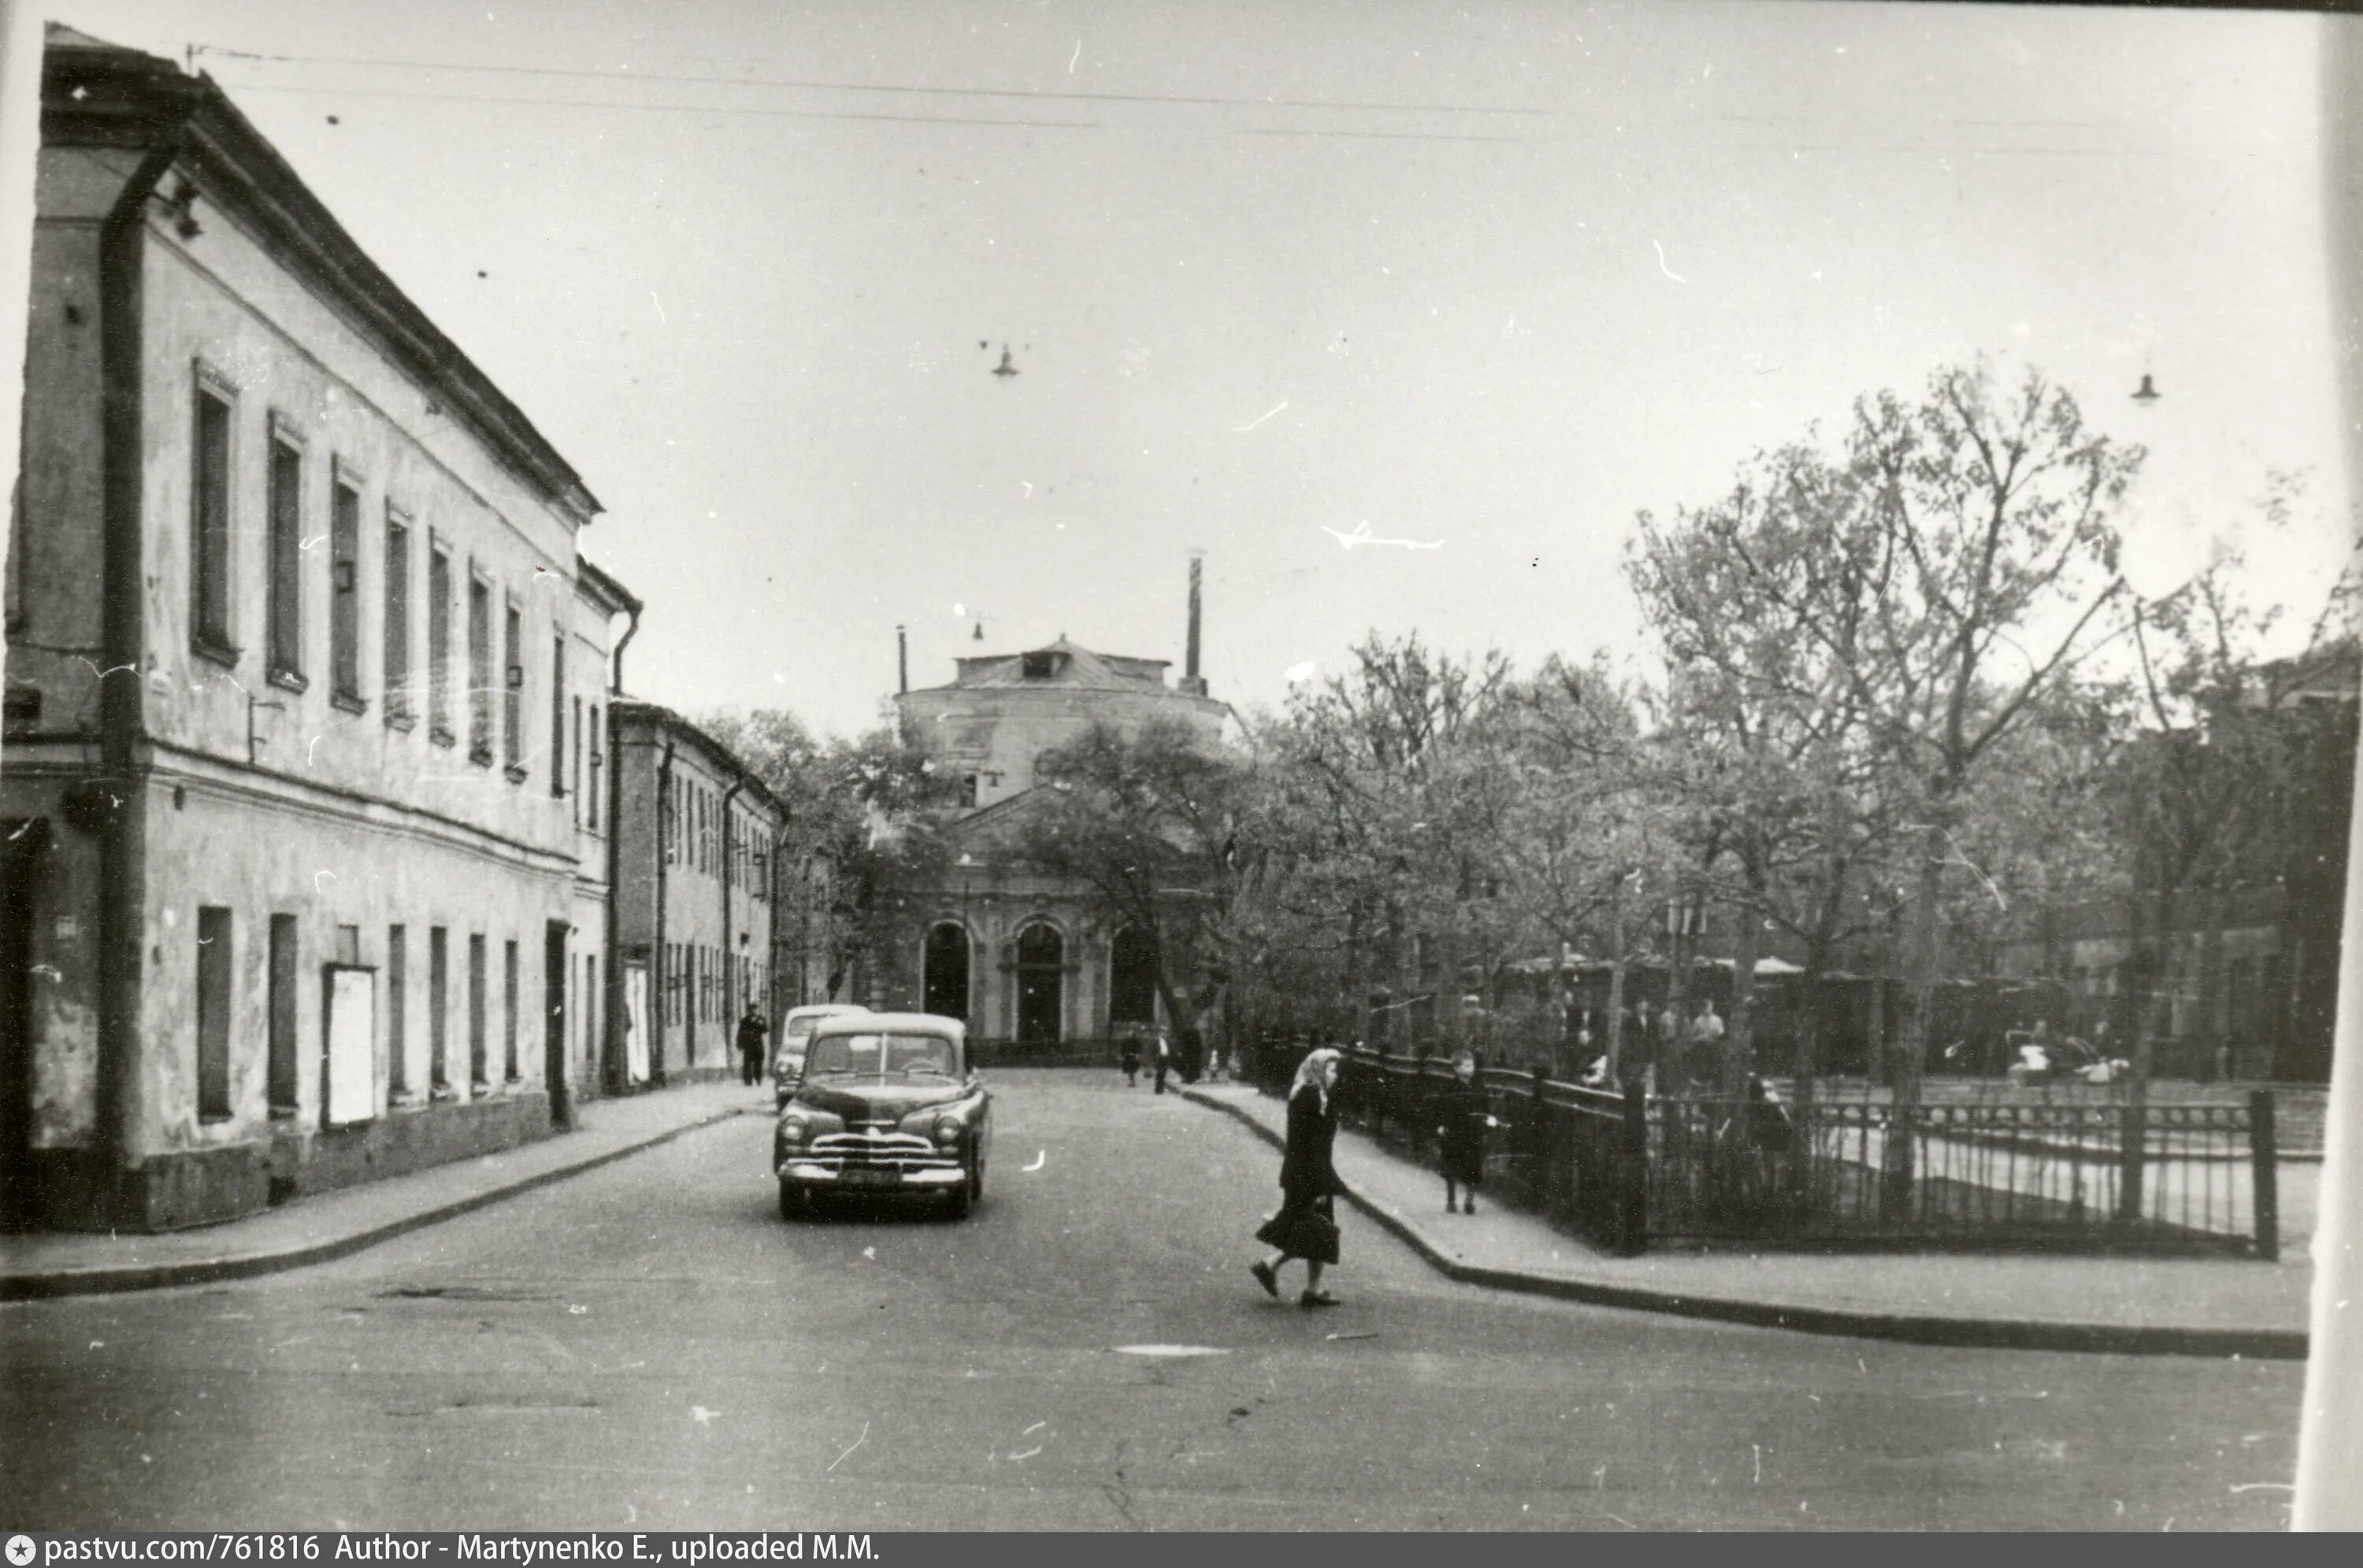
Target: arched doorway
1042, 978
944, 983
1132, 981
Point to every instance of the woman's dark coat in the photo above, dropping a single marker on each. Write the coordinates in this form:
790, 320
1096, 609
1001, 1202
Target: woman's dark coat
1306, 1225
1462, 1111
1305, 1172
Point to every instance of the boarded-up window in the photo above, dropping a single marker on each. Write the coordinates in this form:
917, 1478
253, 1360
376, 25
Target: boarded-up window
438, 646
214, 971
345, 594
397, 621
512, 687
477, 1003
209, 526
480, 670
438, 1007
509, 1011
284, 1091
285, 605
397, 1009
557, 716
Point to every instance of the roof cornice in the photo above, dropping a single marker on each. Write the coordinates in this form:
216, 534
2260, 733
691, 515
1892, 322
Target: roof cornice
106, 96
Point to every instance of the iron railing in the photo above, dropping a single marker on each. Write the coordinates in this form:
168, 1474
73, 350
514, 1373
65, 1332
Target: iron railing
1619, 1167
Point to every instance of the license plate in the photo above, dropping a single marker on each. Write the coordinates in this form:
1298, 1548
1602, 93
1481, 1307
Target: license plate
871, 1178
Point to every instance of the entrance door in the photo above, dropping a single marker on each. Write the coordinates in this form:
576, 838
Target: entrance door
554, 1074
21, 846
945, 984
1041, 974
1132, 979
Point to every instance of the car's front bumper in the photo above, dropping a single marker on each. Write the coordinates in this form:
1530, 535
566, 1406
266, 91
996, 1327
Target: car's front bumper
816, 1173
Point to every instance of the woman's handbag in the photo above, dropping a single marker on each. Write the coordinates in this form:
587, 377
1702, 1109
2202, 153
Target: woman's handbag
1302, 1232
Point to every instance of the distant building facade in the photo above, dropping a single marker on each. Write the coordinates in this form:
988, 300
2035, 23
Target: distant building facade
1030, 960
695, 898
300, 874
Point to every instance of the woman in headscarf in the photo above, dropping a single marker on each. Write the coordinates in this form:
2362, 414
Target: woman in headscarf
1306, 1225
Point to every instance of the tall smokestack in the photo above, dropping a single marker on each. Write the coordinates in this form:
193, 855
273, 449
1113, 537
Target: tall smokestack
902, 661
1192, 682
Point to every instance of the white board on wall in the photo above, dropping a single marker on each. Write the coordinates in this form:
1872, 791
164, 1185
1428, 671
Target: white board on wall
352, 1050
635, 1023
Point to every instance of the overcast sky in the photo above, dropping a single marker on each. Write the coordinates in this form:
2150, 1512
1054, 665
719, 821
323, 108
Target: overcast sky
1488, 278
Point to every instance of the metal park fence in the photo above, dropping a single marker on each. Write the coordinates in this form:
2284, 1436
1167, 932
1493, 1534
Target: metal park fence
1623, 1167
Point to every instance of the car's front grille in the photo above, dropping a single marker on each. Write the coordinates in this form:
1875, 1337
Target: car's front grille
878, 1152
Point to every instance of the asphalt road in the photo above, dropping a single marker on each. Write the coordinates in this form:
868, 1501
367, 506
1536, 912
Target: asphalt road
649, 1345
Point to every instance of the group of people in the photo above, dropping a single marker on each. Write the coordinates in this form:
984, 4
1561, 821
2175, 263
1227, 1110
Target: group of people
1159, 1055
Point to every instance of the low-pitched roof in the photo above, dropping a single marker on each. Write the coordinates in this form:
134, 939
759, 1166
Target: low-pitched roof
96, 94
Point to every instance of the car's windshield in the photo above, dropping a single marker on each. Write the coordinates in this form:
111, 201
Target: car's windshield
882, 1056
800, 1028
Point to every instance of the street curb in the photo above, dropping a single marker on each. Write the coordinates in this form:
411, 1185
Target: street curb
111, 1279
1978, 1333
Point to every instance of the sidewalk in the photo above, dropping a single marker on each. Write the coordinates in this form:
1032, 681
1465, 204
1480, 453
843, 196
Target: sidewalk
2129, 1304
336, 1223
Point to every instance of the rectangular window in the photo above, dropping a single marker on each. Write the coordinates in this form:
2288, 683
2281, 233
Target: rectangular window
345, 596
397, 1010
438, 1008
284, 606
591, 1011
557, 716
480, 670
439, 645
283, 1014
477, 1002
397, 621
591, 806
575, 762
512, 689
508, 1010
209, 569
214, 972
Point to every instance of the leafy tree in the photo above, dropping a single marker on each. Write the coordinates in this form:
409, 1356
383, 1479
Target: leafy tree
1160, 826
859, 826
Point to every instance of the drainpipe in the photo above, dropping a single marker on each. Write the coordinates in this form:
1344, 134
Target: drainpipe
663, 843
122, 245
618, 1070
729, 950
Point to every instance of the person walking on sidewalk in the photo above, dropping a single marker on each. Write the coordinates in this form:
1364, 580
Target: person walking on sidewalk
1129, 1058
1464, 1113
1306, 1225
1164, 1062
751, 1030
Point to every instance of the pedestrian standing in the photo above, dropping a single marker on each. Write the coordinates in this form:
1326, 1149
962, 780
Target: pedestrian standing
751, 1030
1706, 1037
1306, 1225
1464, 1115
1130, 1058
1164, 1062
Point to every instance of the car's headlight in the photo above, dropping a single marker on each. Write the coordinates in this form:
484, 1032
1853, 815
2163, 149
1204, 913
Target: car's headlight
795, 1129
947, 1129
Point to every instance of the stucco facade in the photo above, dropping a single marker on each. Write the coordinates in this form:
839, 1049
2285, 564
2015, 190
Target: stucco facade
1033, 962
297, 634
695, 898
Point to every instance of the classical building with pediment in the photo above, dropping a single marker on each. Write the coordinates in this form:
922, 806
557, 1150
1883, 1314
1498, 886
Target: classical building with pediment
1032, 960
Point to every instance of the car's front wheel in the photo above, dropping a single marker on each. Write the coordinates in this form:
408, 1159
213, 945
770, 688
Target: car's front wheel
795, 1203
964, 1195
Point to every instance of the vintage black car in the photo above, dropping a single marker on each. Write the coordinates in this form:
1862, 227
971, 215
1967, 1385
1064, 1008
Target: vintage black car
887, 1104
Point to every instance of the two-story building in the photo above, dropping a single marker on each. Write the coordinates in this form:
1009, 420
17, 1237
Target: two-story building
694, 897
299, 789
1031, 959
